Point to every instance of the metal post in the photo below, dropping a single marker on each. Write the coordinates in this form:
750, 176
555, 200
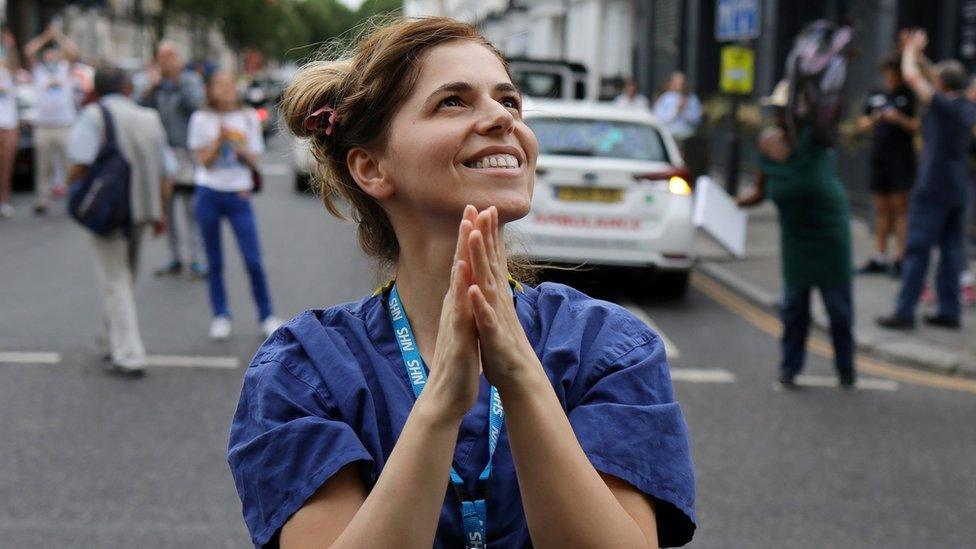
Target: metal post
732, 168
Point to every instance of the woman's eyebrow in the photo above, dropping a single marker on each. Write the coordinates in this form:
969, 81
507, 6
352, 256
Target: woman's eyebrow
464, 87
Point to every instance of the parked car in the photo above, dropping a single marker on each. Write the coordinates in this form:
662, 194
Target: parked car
303, 164
263, 95
548, 78
611, 189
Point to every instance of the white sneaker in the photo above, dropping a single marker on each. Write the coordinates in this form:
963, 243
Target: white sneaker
6, 210
270, 324
220, 328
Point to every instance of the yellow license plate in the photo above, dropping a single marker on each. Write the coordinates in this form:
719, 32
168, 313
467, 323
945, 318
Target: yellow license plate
589, 194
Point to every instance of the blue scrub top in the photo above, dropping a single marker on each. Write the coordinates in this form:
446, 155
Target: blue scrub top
329, 388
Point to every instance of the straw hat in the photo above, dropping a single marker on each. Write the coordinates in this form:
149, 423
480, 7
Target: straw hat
780, 96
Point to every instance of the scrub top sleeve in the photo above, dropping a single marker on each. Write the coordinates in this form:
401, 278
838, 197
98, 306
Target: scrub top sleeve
284, 444
629, 426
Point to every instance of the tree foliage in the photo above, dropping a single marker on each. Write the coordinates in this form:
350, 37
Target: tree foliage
280, 28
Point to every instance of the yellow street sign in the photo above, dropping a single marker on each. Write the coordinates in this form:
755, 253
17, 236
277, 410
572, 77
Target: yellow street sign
738, 69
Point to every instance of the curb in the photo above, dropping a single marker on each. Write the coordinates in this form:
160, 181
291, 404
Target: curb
922, 356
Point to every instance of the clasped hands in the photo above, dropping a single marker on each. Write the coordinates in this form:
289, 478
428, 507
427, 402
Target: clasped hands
479, 328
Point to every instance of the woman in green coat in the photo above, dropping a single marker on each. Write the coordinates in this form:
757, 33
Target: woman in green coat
815, 241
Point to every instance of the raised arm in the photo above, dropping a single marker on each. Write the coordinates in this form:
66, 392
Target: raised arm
13, 56
758, 193
34, 45
403, 508
913, 76
567, 502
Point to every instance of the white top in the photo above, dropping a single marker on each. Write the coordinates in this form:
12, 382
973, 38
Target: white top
8, 100
55, 106
639, 101
243, 132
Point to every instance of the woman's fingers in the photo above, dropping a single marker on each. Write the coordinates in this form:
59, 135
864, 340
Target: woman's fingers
480, 267
496, 248
484, 315
461, 280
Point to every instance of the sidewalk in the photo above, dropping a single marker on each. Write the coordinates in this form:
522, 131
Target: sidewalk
757, 278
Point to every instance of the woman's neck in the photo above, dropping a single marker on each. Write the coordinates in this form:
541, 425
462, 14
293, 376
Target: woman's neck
423, 276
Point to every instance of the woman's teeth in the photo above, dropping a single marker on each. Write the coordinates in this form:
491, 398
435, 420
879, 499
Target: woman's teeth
494, 161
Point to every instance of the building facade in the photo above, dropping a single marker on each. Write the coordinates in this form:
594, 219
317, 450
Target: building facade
648, 39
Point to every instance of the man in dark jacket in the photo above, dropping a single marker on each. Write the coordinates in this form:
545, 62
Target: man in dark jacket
938, 202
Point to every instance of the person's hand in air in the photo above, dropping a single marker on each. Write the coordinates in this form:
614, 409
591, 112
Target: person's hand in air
454, 375
506, 354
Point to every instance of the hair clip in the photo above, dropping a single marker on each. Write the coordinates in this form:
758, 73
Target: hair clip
313, 120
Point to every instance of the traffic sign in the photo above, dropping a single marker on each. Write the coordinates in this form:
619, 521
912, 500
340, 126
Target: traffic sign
736, 20
738, 68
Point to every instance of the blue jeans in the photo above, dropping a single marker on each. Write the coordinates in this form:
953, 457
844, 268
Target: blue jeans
795, 314
928, 226
211, 206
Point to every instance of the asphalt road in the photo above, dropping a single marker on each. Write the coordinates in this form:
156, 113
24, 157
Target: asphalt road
89, 460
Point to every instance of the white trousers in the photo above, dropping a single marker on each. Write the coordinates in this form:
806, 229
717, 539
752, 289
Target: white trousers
116, 262
50, 151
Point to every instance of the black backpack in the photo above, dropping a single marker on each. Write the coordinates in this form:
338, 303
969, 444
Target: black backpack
100, 199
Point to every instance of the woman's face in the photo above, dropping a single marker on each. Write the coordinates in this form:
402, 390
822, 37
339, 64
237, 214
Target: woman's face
223, 91
459, 138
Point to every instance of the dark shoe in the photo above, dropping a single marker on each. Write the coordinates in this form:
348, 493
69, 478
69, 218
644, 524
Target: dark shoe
40, 209
873, 267
172, 268
895, 270
847, 383
894, 322
126, 372
787, 382
943, 322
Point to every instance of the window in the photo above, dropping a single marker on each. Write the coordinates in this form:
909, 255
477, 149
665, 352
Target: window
598, 138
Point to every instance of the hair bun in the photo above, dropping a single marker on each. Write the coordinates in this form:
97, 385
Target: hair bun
316, 84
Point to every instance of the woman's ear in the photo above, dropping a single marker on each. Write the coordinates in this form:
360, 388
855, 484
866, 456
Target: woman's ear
365, 169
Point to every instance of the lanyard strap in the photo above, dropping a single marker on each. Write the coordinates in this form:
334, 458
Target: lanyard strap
474, 510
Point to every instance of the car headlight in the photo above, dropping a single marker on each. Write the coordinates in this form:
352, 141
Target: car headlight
678, 185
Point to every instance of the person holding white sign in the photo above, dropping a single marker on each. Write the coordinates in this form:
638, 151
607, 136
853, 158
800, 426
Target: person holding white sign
815, 240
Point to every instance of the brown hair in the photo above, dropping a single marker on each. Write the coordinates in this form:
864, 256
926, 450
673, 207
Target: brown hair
366, 89
208, 89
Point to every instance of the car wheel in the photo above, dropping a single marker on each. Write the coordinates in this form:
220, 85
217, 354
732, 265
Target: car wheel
303, 183
673, 283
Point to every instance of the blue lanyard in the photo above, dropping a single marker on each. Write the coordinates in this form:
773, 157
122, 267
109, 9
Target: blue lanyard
474, 510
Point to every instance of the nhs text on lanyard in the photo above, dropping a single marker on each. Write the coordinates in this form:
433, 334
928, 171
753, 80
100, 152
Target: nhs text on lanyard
474, 511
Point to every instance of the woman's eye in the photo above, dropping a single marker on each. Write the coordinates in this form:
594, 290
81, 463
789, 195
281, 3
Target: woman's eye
451, 102
511, 103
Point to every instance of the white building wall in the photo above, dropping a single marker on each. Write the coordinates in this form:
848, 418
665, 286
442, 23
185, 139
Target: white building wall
597, 33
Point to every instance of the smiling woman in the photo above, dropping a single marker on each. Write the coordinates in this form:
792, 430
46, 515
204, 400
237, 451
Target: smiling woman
455, 406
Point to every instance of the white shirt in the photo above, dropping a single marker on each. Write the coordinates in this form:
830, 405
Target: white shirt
227, 173
55, 106
639, 101
682, 123
8, 100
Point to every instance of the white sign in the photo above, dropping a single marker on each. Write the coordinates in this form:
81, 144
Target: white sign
716, 213
736, 20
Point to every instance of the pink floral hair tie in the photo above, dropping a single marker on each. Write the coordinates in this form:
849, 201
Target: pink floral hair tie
314, 120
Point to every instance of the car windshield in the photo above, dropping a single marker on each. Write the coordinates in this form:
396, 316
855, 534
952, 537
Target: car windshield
603, 138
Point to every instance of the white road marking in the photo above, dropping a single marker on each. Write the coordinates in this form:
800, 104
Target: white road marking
669, 347
15, 357
702, 375
869, 383
177, 361
275, 169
